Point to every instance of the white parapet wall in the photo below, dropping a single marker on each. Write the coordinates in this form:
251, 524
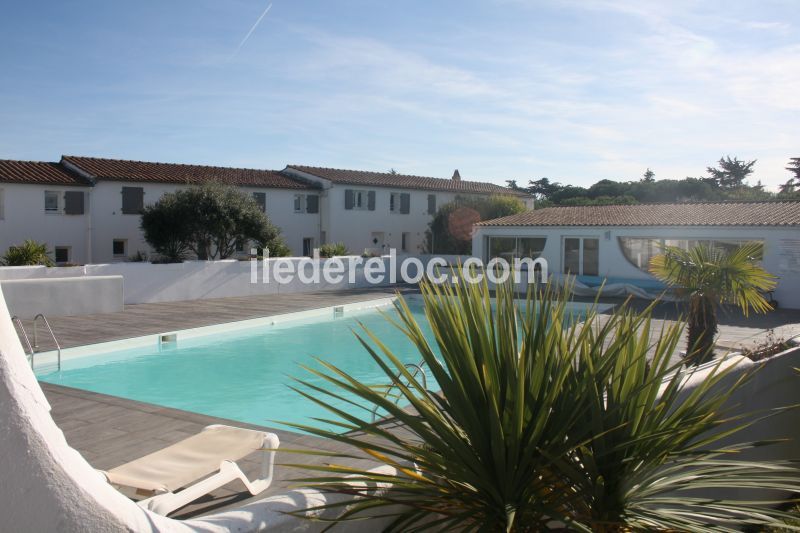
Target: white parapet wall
85, 295
195, 280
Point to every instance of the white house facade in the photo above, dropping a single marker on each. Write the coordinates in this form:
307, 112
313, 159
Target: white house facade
87, 209
615, 243
377, 211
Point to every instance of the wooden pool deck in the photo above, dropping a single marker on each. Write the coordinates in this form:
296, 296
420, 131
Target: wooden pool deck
109, 431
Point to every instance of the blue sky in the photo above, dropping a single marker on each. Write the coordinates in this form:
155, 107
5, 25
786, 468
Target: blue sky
575, 90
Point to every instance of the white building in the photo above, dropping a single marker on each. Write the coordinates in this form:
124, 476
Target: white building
379, 210
615, 243
87, 209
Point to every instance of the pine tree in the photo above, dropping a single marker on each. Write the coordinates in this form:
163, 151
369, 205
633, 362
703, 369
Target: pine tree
731, 172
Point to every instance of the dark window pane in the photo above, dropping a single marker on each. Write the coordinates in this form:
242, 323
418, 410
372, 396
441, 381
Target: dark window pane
261, 200
62, 254
591, 257
119, 247
530, 246
503, 247
572, 251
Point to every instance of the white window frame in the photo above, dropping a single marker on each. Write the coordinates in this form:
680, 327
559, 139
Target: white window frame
394, 202
300, 203
580, 238
360, 199
57, 196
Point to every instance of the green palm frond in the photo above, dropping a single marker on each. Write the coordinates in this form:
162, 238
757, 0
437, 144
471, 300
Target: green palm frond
540, 421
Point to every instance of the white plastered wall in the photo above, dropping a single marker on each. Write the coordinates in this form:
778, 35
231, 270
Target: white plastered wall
109, 223
612, 262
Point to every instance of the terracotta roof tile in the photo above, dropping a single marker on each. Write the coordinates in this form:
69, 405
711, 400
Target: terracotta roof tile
142, 171
773, 213
36, 172
403, 181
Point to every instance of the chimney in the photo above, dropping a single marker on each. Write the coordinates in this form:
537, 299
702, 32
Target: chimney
456, 176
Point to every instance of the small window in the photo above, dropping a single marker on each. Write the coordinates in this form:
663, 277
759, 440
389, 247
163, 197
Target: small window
51, 201
359, 200
261, 200
404, 240
119, 247
400, 202
299, 203
308, 246
62, 254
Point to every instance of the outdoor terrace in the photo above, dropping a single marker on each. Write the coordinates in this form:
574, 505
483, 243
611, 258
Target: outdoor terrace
109, 431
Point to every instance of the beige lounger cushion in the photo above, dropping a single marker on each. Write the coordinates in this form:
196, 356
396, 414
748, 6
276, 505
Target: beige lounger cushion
188, 460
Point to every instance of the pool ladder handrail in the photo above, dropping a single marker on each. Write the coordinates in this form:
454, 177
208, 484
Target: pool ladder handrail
32, 349
418, 368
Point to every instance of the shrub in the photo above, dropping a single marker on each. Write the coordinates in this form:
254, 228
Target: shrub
541, 422
210, 220
450, 231
28, 253
332, 249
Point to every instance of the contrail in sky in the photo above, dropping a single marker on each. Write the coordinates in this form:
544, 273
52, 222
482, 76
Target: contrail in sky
249, 33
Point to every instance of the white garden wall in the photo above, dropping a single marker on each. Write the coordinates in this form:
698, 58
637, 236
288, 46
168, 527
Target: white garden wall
194, 280
86, 295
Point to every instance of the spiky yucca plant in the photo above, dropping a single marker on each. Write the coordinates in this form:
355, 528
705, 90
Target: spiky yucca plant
711, 276
538, 422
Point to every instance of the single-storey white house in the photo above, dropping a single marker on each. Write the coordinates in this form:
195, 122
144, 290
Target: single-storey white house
615, 242
86, 209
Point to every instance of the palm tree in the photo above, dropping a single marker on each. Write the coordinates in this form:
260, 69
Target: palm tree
538, 420
711, 276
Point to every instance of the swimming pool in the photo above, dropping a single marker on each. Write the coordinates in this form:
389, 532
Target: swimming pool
239, 371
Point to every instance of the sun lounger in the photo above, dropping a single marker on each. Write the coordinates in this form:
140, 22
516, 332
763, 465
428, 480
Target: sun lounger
187, 463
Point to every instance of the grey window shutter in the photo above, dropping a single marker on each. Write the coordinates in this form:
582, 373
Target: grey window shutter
261, 200
312, 203
371, 200
73, 203
132, 200
405, 203
348, 199
431, 204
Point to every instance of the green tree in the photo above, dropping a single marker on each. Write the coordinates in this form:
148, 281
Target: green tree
649, 176
710, 276
450, 231
536, 422
543, 188
211, 220
28, 253
731, 172
794, 168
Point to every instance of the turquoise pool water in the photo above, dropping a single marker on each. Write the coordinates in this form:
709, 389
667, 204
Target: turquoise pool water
242, 375
245, 374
